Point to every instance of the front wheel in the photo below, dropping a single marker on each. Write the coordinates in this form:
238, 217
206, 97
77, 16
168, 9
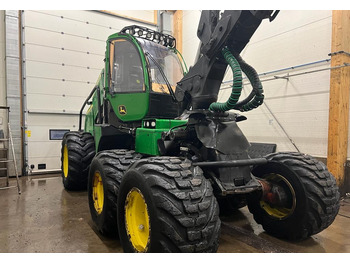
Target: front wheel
166, 205
106, 172
311, 196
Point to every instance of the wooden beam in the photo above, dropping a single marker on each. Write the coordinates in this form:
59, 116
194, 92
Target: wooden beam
177, 24
339, 96
155, 16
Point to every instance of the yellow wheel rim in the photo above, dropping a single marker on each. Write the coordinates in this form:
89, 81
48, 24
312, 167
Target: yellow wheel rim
65, 161
137, 220
97, 192
280, 212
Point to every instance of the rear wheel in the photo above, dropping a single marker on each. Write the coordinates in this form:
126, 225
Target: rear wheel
78, 149
106, 172
165, 205
310, 193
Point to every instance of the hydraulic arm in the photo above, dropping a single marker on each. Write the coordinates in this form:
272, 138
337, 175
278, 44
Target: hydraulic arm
222, 40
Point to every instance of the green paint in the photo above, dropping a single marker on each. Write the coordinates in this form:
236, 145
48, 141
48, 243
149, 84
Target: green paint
92, 112
136, 105
129, 106
146, 138
169, 123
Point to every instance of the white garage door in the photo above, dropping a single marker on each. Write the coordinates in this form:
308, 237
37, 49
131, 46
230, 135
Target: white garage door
63, 56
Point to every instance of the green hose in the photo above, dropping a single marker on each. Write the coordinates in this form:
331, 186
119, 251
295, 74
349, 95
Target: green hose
255, 98
236, 87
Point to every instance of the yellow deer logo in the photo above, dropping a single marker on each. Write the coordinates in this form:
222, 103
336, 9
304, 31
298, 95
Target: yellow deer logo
122, 110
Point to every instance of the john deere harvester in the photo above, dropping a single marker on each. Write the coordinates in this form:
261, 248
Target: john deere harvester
161, 158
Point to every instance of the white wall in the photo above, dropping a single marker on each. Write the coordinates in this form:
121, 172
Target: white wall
64, 52
190, 40
146, 15
300, 104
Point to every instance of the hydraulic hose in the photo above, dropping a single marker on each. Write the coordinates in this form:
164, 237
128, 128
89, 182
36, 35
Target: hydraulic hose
254, 99
236, 87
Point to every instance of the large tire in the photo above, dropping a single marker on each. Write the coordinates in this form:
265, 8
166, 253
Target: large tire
313, 196
78, 149
106, 172
176, 206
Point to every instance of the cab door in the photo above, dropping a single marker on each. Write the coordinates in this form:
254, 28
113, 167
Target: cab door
128, 83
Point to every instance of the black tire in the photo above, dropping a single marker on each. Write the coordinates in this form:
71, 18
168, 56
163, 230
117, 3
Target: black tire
182, 210
80, 148
111, 165
315, 193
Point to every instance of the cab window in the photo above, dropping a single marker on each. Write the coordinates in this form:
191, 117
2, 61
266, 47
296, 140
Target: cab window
126, 68
166, 61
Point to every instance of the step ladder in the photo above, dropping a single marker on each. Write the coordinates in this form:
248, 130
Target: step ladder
6, 143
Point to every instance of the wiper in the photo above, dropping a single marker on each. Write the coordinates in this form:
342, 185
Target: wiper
171, 91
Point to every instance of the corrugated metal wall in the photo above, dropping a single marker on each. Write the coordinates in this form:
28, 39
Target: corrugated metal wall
3, 126
296, 108
64, 52
13, 88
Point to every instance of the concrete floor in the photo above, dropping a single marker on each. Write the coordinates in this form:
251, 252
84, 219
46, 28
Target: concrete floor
45, 218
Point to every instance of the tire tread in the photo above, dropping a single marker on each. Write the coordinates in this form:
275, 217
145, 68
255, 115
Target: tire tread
322, 194
114, 164
185, 203
81, 150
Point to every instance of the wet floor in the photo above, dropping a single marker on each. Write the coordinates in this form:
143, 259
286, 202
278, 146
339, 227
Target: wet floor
45, 218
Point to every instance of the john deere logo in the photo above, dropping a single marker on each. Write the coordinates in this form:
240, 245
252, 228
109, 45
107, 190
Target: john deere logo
122, 110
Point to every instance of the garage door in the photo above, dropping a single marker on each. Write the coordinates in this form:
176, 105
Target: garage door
63, 57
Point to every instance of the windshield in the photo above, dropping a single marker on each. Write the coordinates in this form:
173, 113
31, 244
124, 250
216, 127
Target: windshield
167, 61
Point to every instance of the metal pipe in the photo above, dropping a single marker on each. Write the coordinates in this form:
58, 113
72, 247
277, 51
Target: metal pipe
287, 68
232, 163
46, 171
307, 72
99, 112
84, 104
295, 67
23, 85
298, 74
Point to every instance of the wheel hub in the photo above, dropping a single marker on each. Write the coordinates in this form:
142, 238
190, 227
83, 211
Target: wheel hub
137, 220
97, 192
278, 196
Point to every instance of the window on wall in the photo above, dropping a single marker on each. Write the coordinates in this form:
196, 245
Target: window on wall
57, 134
126, 67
